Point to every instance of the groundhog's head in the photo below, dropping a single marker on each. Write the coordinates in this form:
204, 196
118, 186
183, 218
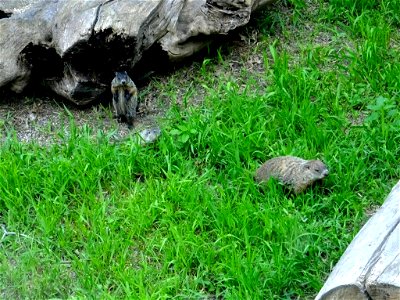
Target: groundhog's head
149, 135
316, 169
122, 77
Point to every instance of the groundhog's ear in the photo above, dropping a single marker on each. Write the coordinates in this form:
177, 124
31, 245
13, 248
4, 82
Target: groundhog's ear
307, 167
116, 73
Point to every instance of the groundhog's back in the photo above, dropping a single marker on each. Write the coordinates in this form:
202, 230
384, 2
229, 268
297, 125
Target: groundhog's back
282, 168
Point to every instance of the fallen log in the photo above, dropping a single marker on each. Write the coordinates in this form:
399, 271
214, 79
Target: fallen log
74, 46
370, 266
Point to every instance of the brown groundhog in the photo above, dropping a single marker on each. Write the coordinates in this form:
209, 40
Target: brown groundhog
124, 99
294, 172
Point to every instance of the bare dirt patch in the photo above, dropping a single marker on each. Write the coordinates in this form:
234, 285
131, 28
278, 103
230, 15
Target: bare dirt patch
44, 119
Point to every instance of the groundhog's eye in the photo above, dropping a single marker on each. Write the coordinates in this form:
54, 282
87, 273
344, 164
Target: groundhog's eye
317, 170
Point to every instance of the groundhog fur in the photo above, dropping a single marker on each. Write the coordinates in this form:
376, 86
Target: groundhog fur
124, 97
293, 172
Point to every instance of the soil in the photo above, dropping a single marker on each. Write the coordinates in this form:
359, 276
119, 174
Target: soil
42, 119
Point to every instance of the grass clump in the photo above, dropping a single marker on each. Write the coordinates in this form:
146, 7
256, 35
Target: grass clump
182, 218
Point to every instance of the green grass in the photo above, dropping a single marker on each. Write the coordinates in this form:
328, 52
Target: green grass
182, 218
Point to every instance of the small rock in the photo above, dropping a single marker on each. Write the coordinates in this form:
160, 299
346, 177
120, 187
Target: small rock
31, 117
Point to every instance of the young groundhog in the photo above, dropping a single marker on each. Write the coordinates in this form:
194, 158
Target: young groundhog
124, 93
149, 135
294, 172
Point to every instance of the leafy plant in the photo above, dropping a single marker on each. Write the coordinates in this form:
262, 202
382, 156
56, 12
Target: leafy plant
384, 113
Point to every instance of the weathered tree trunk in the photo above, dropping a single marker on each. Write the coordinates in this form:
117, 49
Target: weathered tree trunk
75, 46
370, 267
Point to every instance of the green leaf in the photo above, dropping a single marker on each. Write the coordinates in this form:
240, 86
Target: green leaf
184, 138
372, 117
175, 132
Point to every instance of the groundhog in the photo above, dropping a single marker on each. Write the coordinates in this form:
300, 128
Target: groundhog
149, 135
293, 172
124, 93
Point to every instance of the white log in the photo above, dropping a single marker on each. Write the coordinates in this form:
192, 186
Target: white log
375, 243
383, 280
